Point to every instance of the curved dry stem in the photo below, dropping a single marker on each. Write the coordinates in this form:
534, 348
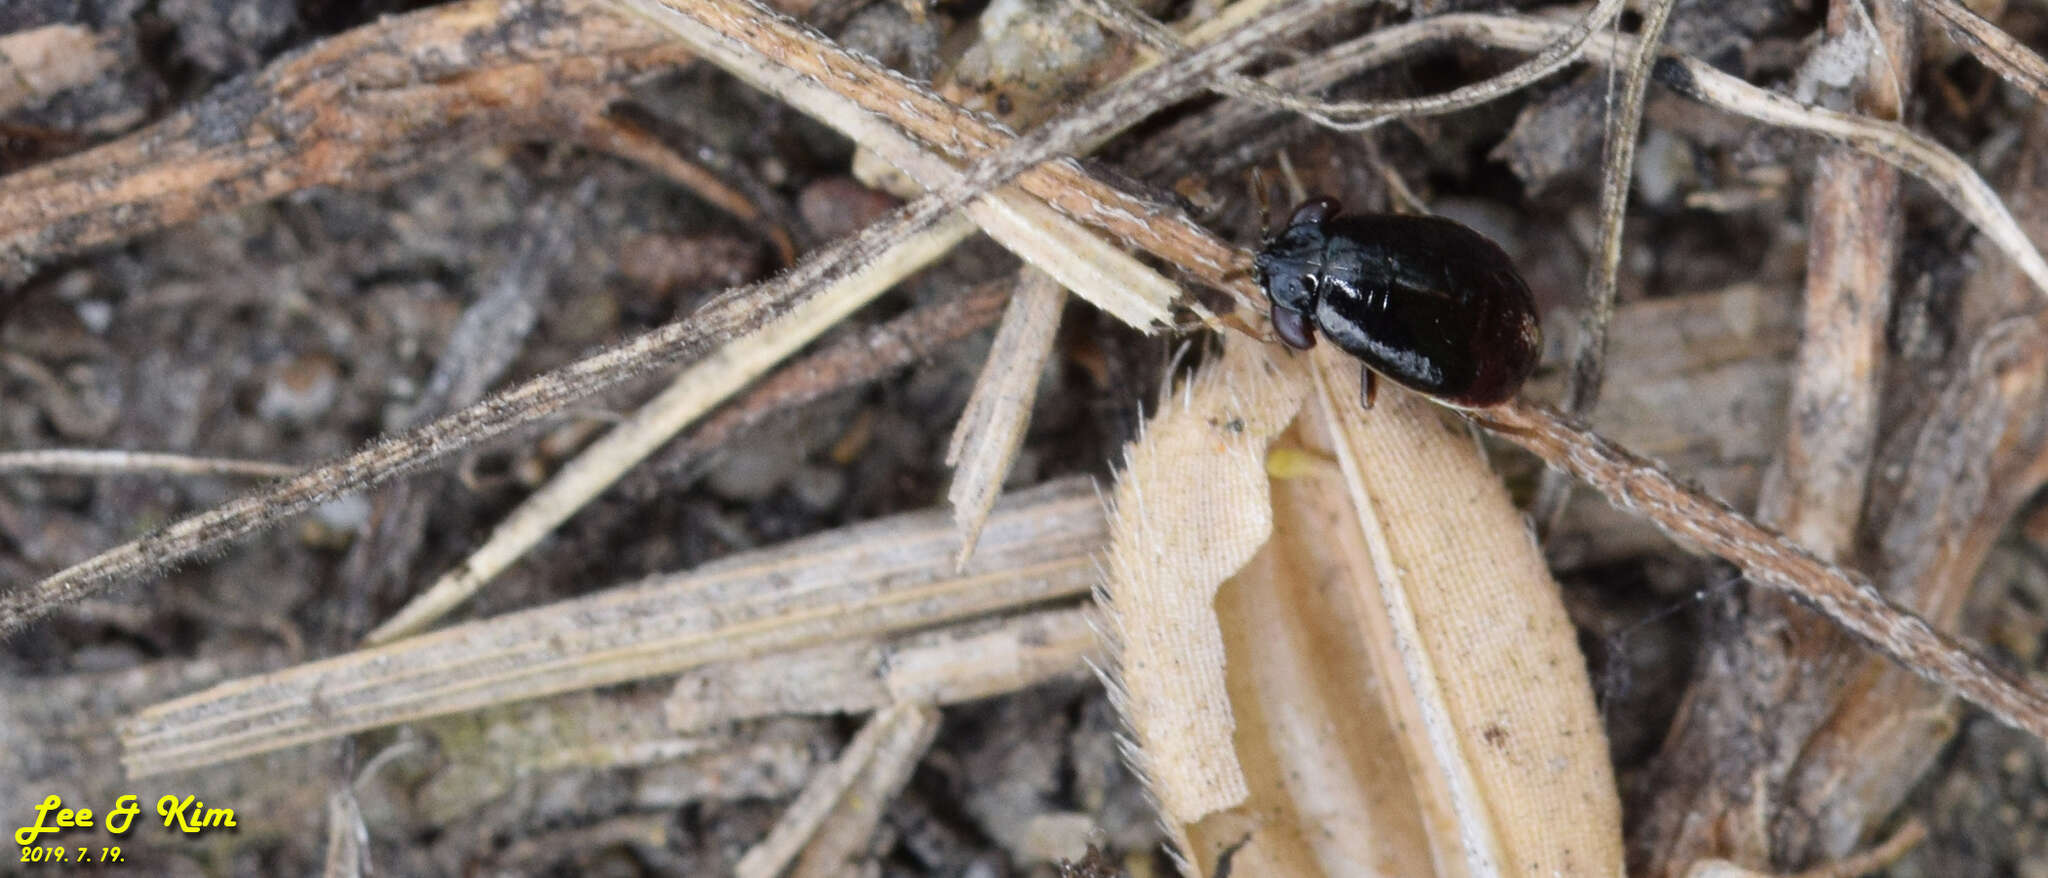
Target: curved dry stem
1564, 49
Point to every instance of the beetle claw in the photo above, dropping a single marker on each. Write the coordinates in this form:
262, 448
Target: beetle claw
1368, 386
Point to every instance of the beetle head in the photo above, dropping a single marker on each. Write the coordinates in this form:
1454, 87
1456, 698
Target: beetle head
1289, 265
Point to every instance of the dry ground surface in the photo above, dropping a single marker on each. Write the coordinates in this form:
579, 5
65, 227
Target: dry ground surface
261, 234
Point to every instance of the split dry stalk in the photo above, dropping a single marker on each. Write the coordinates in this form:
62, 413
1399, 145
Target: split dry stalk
964, 136
743, 359
774, 853
1081, 260
827, 827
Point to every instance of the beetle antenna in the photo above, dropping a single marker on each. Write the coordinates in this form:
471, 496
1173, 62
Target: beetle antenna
1287, 175
1265, 203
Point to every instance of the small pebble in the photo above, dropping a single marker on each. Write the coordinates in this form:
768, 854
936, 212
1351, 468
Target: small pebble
818, 488
753, 470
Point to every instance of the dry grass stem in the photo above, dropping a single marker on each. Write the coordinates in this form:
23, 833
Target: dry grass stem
1640, 486
101, 462
738, 313
961, 135
1950, 176
860, 359
1840, 738
1081, 260
992, 426
884, 749
946, 665
889, 575
1997, 49
689, 395
840, 843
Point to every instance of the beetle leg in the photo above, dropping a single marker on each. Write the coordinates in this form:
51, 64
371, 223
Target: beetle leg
1368, 386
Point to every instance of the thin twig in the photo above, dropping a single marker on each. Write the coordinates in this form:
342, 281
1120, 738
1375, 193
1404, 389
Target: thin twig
1082, 260
623, 137
1357, 116
1874, 860
1582, 387
483, 345
100, 462
1641, 486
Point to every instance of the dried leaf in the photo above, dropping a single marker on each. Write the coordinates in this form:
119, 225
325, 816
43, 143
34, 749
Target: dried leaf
1490, 657
1191, 507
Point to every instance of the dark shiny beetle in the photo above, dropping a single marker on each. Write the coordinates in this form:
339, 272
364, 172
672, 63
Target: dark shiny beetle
1430, 304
